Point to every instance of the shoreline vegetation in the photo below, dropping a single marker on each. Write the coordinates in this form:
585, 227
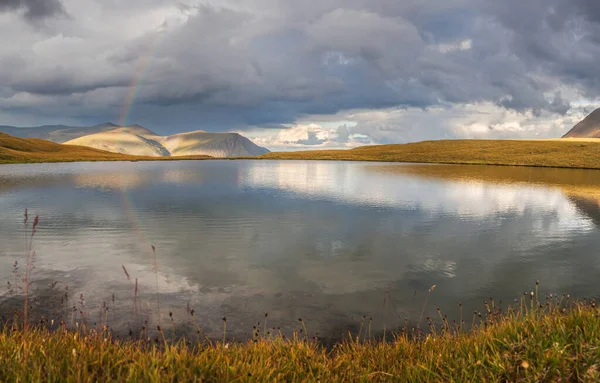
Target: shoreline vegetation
538, 346
535, 338
559, 153
554, 340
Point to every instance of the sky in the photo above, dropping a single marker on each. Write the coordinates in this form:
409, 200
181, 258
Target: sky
294, 75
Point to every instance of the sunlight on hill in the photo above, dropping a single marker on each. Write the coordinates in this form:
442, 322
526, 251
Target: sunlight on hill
542, 153
28, 150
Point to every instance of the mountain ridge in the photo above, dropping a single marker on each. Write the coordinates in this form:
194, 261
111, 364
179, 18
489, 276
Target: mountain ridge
589, 127
138, 140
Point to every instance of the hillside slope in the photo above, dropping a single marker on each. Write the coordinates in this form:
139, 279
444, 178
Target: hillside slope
589, 127
29, 150
557, 153
135, 142
122, 142
56, 133
212, 144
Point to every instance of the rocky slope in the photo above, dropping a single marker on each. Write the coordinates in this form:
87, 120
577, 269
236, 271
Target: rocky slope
137, 140
589, 127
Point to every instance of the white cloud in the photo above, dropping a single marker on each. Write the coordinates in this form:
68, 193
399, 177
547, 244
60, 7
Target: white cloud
394, 125
463, 45
311, 136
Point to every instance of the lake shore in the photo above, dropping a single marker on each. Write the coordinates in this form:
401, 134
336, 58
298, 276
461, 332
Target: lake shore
557, 341
563, 153
574, 154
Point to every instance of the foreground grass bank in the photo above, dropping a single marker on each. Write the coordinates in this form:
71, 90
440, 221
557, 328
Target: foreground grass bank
549, 345
542, 153
15, 150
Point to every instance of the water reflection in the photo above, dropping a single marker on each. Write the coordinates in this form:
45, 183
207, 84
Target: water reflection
319, 240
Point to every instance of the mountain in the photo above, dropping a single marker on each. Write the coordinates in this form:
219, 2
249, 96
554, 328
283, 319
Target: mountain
56, 133
589, 127
20, 150
211, 144
121, 142
137, 140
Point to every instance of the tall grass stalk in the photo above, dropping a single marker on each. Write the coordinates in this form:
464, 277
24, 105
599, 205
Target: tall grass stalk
424, 305
362, 322
155, 267
224, 330
386, 299
26, 303
28, 264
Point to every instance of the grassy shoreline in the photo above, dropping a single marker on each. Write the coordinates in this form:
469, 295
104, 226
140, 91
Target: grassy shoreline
549, 343
532, 153
565, 153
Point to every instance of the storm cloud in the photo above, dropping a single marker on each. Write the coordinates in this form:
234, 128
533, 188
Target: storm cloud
419, 69
33, 9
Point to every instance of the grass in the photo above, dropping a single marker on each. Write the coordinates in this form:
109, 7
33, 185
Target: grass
539, 153
545, 344
33, 150
565, 153
534, 339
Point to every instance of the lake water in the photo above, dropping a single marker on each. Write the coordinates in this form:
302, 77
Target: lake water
324, 241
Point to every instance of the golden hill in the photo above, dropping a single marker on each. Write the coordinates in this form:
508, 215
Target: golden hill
545, 153
139, 141
26, 150
127, 141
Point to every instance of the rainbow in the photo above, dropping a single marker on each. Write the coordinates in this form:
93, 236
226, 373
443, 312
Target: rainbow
132, 91
141, 68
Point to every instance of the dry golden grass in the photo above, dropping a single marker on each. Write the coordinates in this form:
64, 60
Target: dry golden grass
542, 153
553, 343
30, 150
567, 153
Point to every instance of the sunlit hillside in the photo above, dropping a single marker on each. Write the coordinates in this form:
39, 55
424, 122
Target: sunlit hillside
25, 150
567, 154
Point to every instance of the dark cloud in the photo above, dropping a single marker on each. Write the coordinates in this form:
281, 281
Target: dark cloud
273, 62
33, 9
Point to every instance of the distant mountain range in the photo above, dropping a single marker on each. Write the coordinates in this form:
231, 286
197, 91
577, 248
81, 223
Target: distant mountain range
589, 127
137, 140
